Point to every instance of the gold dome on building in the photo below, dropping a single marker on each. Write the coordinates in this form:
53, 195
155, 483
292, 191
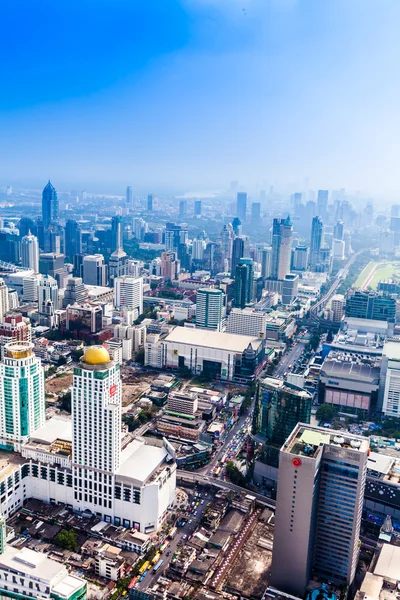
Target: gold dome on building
96, 355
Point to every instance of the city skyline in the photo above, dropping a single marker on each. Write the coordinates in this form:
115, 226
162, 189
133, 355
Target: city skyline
291, 85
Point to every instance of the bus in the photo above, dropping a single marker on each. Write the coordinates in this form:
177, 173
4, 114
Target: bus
132, 582
172, 533
217, 471
144, 567
156, 558
158, 565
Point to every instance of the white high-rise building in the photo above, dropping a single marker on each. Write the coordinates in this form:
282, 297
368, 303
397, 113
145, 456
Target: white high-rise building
47, 293
198, 247
338, 305
247, 321
390, 379
4, 302
31, 287
30, 252
22, 394
94, 270
128, 292
319, 504
209, 308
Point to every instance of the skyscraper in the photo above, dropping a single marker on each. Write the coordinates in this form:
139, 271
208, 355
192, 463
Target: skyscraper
244, 283
197, 208
94, 270
117, 265
322, 203
256, 212
317, 236
241, 206
128, 293
73, 239
22, 395
116, 232
338, 231
226, 237
47, 294
209, 306
150, 202
238, 250
174, 236
182, 208
300, 258
49, 206
30, 252
4, 302
319, 505
129, 196
282, 231
75, 292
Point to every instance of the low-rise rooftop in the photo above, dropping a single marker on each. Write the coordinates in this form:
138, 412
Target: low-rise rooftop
306, 440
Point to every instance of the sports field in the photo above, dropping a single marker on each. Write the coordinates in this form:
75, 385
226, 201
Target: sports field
375, 272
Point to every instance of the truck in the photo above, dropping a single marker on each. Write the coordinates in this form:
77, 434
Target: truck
156, 558
172, 533
162, 548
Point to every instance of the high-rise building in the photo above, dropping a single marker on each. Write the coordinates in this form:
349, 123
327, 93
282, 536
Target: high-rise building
150, 202
317, 237
322, 203
321, 484
14, 328
282, 231
174, 236
129, 196
209, 308
338, 231
75, 292
27, 226
241, 206
197, 208
237, 226
198, 247
338, 304
22, 395
363, 304
244, 283
116, 232
30, 252
300, 258
238, 252
53, 264
390, 379
256, 212
47, 295
279, 407
226, 237
182, 208
73, 238
4, 301
117, 265
247, 321
94, 270
128, 293
170, 265
49, 206
266, 262
290, 287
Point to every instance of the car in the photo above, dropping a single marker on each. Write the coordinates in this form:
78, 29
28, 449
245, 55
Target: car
168, 553
202, 502
190, 521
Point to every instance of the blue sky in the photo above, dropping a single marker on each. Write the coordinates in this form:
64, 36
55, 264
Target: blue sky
193, 93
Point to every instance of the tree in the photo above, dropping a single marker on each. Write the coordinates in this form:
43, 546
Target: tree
65, 401
139, 357
66, 539
326, 412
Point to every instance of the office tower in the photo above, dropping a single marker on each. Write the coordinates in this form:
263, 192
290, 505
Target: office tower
244, 283
198, 247
390, 379
371, 305
338, 304
47, 294
290, 287
247, 321
170, 266
338, 248
94, 270
182, 208
22, 395
338, 231
150, 202
49, 206
128, 293
256, 213
295, 200
209, 308
117, 265
226, 238
30, 252
27, 226
4, 303
266, 262
317, 236
51, 264
241, 206
116, 233
238, 251
96, 427
140, 228
237, 226
322, 203
300, 258
10, 246
282, 231
214, 260
73, 239
75, 292
129, 196
175, 235
197, 208
279, 406
319, 505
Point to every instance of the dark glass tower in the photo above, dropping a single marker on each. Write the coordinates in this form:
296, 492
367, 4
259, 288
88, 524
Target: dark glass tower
73, 238
244, 282
49, 205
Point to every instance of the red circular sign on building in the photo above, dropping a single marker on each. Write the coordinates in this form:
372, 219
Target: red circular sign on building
296, 462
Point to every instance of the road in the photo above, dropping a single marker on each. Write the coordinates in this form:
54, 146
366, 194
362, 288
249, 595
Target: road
290, 358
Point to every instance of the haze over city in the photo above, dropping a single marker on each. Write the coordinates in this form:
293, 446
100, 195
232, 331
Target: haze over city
189, 95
